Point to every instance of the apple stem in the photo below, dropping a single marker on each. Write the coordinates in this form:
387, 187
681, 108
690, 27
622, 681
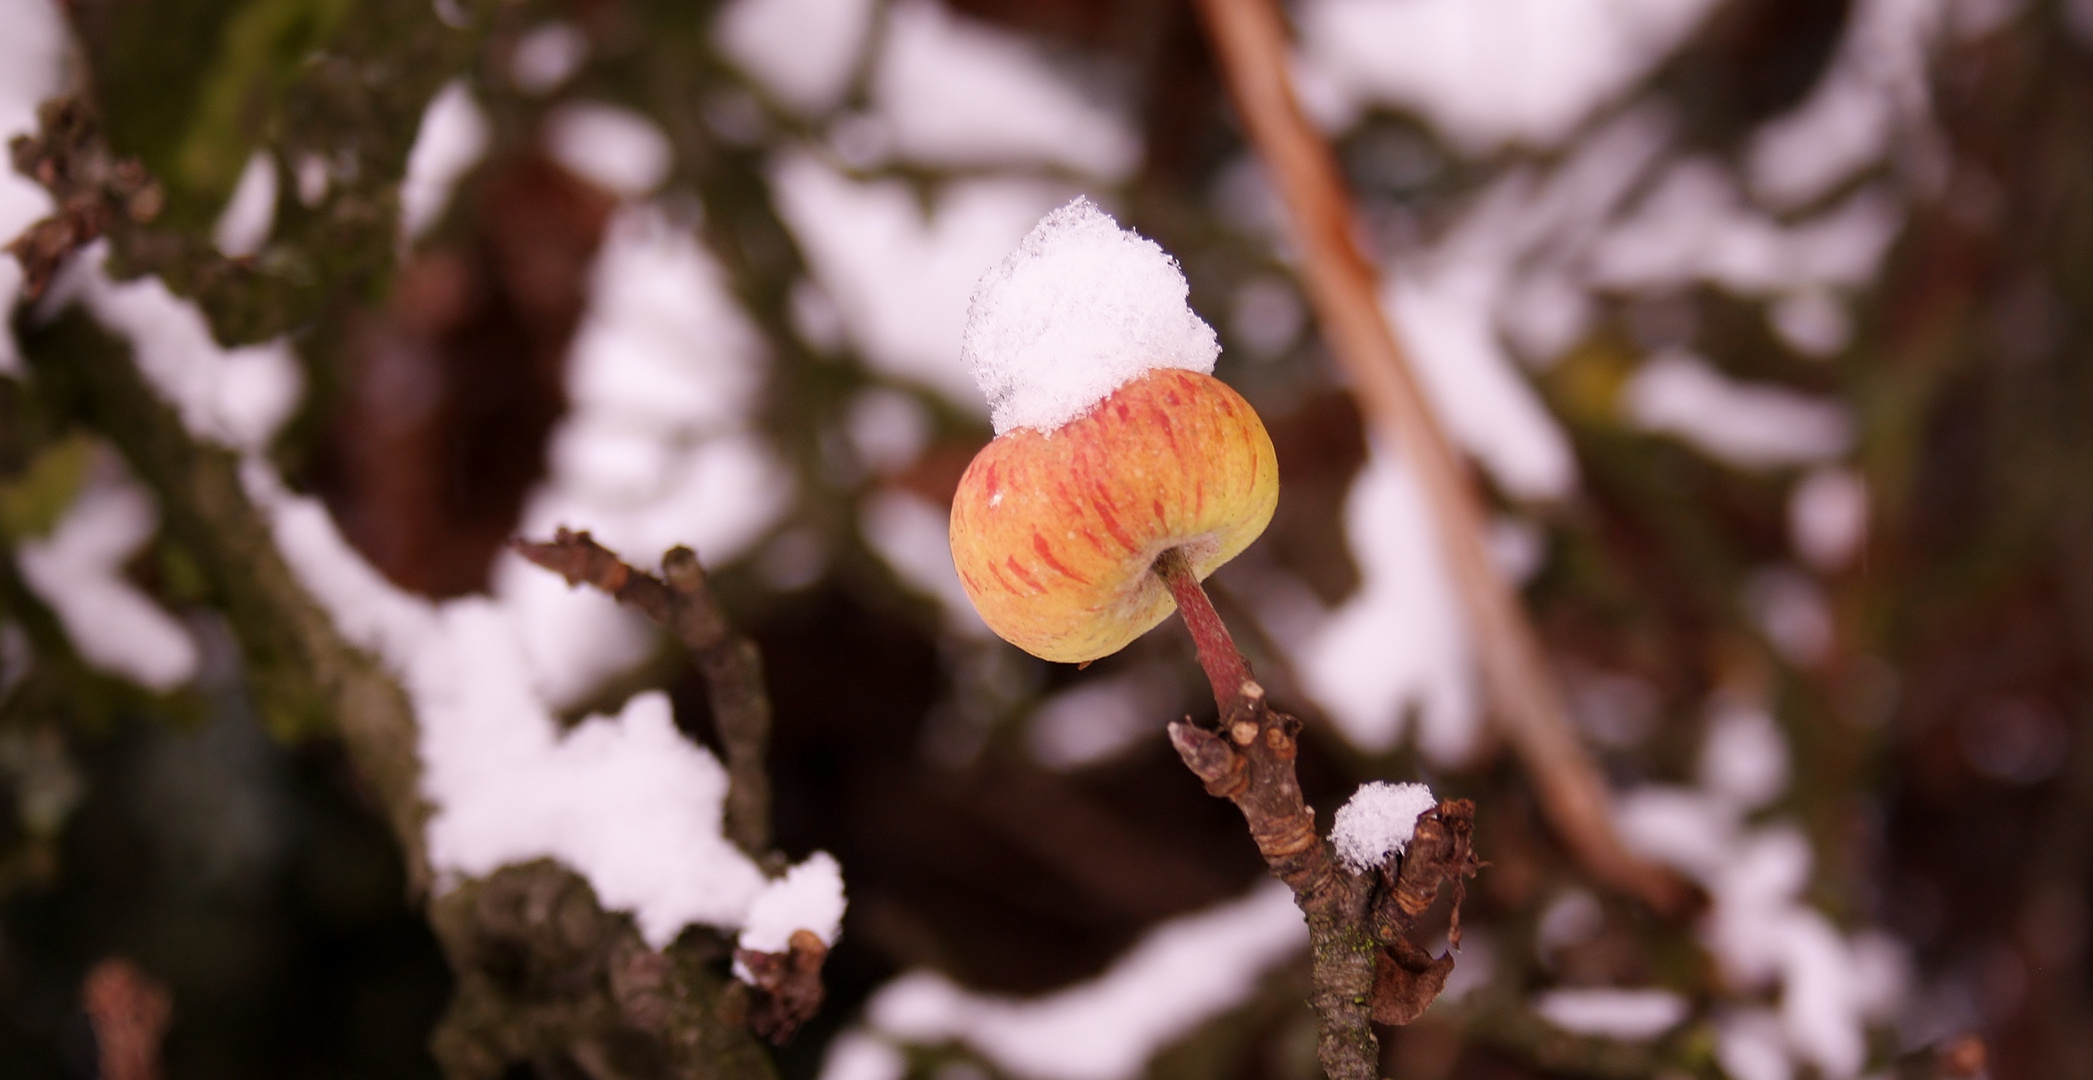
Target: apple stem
1225, 667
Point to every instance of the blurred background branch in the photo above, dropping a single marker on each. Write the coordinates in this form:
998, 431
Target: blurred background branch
1251, 43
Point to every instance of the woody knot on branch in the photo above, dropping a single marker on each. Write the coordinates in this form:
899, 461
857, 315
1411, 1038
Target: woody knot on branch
1365, 966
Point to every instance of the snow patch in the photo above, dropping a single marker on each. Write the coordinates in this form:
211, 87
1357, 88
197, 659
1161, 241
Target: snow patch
1400, 643
1632, 1015
1377, 822
809, 897
78, 571
1878, 82
908, 326
615, 793
802, 51
915, 539
237, 398
1752, 426
452, 138
547, 56
1828, 517
1094, 720
1831, 984
1180, 974
953, 92
615, 148
243, 226
1082, 308
859, 1055
1490, 72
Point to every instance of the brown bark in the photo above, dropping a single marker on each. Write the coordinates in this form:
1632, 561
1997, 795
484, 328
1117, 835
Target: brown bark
1364, 967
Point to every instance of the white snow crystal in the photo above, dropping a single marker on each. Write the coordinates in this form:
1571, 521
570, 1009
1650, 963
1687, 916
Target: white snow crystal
1080, 309
1378, 821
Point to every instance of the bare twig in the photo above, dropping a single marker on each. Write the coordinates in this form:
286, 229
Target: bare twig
1249, 41
733, 670
1365, 968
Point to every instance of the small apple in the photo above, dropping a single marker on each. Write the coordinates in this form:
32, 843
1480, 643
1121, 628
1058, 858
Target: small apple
1056, 533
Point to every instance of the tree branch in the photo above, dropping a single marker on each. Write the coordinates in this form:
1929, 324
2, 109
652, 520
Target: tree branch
544, 974
542, 969
1364, 966
1249, 42
680, 601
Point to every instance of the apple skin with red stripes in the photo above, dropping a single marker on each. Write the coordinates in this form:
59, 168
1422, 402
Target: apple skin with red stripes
1054, 533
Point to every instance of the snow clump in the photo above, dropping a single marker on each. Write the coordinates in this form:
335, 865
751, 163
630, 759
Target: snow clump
1082, 308
808, 897
1378, 821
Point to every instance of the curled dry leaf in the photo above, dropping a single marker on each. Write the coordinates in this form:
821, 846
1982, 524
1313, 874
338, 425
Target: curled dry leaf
1407, 978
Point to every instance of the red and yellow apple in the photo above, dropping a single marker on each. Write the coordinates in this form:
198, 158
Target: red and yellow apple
1055, 533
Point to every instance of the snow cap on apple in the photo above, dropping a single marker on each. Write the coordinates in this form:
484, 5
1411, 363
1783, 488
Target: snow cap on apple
1114, 442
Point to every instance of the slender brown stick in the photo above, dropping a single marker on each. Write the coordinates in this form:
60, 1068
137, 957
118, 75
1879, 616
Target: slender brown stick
1249, 40
1364, 967
1225, 667
733, 670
